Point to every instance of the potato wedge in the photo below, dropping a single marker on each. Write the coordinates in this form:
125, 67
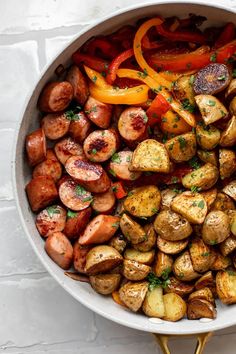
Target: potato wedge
175, 307
226, 286
231, 90
208, 137
118, 242
211, 108
182, 147
172, 226
220, 262
199, 308
190, 205
204, 293
163, 265
228, 245
116, 297
201, 255
105, 284
133, 270
183, 268
171, 247
150, 241
227, 161
183, 89
133, 294
140, 257
209, 196
233, 224
203, 178
207, 280
228, 136
232, 106
223, 203
102, 258
150, 155
232, 216
132, 230
208, 156
216, 227
230, 189
153, 305
143, 201
167, 196
178, 287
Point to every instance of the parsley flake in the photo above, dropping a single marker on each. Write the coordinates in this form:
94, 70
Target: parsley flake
182, 142
211, 103
51, 210
71, 214
116, 158
154, 281
213, 57
187, 106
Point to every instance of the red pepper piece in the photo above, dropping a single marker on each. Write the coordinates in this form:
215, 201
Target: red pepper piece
158, 107
102, 45
186, 36
119, 190
226, 36
175, 176
115, 64
92, 62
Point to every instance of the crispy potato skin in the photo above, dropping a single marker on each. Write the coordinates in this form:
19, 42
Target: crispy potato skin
132, 230
223, 203
150, 240
226, 286
183, 89
208, 156
204, 177
175, 307
133, 294
135, 271
118, 242
167, 197
101, 259
230, 189
211, 112
208, 137
198, 308
153, 305
228, 136
171, 247
210, 196
105, 284
204, 293
227, 162
178, 287
201, 255
216, 227
183, 268
182, 148
141, 257
206, 280
163, 264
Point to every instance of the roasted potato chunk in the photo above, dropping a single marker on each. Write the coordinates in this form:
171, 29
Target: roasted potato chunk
208, 137
220, 262
228, 246
118, 242
207, 280
233, 224
209, 196
153, 305
133, 294
227, 161
172, 226
150, 155
228, 136
171, 247
163, 265
105, 284
208, 156
143, 201
211, 108
182, 147
230, 189
183, 89
226, 286
175, 307
178, 287
203, 178
200, 254
223, 203
232, 106
204, 293
132, 230
140, 257
167, 196
101, 259
216, 227
200, 308
231, 89
133, 270
183, 267
150, 240
190, 205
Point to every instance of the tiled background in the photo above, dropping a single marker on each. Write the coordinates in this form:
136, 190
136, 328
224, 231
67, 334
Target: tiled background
36, 315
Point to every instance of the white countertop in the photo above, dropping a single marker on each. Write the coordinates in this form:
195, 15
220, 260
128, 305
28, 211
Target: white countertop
36, 315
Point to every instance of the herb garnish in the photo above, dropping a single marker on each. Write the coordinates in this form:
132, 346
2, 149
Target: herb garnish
51, 210
154, 281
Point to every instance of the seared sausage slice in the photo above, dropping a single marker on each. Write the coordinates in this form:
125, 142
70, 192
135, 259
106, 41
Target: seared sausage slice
79, 84
80, 127
132, 123
36, 147
100, 229
49, 167
91, 176
76, 222
50, 155
51, 219
68, 147
55, 97
99, 113
119, 166
55, 125
104, 202
59, 248
100, 145
41, 192
80, 253
73, 196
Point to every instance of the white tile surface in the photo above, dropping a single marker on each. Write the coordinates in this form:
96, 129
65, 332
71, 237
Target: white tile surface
37, 316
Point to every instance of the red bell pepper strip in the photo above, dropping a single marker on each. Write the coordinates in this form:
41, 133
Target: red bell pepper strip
226, 36
175, 176
158, 107
147, 44
185, 36
119, 190
108, 49
115, 64
92, 62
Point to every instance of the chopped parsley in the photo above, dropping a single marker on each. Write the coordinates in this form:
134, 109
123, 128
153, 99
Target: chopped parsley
94, 151
191, 80
154, 210
213, 58
116, 224
171, 146
128, 158
165, 273
230, 272
71, 214
213, 242
187, 106
114, 189
221, 78
201, 204
234, 73
181, 275
169, 99
194, 163
164, 120
51, 210
182, 142
154, 281
174, 180
94, 78
112, 172
195, 189
93, 109
116, 158
211, 103
205, 254
72, 114
143, 74
130, 194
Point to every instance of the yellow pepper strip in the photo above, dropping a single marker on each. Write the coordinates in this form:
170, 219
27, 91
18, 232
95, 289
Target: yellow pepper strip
96, 77
175, 105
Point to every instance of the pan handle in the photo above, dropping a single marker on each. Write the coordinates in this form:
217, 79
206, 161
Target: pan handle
201, 341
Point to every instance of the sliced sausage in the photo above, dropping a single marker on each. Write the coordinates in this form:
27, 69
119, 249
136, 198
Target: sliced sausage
100, 145
74, 196
55, 125
50, 155
41, 192
79, 84
91, 176
99, 113
55, 97
119, 166
68, 147
76, 222
79, 255
36, 147
51, 219
48, 167
100, 229
132, 123
80, 127
104, 202
59, 248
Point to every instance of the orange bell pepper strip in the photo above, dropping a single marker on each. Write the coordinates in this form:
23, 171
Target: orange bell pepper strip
115, 64
119, 190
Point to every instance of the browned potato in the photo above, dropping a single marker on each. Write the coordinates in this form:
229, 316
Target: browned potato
153, 305
203, 178
208, 156
216, 227
207, 280
150, 241
227, 160
233, 224
178, 287
231, 89
208, 137
175, 307
101, 259
132, 230
163, 265
183, 267
200, 308
182, 147
133, 270
228, 246
204, 293
143, 201
150, 155
183, 89
232, 215
211, 108
105, 284
228, 137
141, 257
220, 262
167, 196
223, 203
190, 205
172, 226
209, 196
200, 254
230, 189
171, 247
226, 286
133, 294
232, 106
118, 242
